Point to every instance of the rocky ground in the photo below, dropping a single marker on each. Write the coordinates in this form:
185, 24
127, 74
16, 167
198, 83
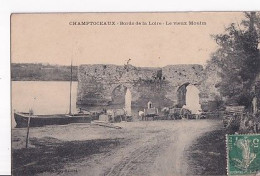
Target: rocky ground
181, 147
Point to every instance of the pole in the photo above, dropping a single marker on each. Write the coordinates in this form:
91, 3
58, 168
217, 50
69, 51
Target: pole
28, 128
70, 85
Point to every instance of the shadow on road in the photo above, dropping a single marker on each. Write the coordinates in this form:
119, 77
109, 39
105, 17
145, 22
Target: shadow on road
51, 154
207, 156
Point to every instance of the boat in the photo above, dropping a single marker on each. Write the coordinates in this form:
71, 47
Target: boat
24, 119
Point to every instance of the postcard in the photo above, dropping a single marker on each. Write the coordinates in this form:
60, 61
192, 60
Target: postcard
162, 93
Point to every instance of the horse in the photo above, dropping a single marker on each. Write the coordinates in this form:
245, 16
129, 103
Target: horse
141, 114
166, 111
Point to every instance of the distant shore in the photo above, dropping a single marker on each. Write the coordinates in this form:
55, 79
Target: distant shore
42, 72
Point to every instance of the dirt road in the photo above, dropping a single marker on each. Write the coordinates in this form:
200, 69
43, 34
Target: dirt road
147, 148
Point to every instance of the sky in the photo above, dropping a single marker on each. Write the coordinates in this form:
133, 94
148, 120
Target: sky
49, 38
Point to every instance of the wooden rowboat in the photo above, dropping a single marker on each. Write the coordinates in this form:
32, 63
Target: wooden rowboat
21, 119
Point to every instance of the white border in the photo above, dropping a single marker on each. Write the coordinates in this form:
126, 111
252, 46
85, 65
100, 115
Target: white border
11, 6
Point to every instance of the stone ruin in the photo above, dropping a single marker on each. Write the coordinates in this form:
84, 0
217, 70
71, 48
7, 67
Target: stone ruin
106, 85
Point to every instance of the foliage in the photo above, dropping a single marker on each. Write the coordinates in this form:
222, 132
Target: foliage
219, 102
238, 59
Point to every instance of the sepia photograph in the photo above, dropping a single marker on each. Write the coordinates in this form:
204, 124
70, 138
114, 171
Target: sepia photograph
147, 93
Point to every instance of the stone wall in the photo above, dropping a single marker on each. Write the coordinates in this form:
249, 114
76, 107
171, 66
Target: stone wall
159, 85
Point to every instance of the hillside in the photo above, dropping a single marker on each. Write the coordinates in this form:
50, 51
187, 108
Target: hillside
42, 72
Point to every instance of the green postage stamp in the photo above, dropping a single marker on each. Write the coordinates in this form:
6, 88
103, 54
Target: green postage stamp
243, 154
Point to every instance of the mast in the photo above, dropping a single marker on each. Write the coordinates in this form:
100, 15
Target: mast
70, 85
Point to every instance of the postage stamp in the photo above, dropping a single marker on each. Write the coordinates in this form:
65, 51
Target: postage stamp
243, 154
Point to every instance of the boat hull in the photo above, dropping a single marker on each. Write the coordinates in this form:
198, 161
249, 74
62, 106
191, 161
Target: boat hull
21, 119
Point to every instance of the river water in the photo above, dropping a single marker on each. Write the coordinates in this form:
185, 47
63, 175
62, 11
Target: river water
44, 97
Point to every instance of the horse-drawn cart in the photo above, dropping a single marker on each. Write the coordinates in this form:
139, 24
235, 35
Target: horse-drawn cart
118, 115
151, 112
179, 113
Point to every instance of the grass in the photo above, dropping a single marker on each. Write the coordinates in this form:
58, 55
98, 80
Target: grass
208, 155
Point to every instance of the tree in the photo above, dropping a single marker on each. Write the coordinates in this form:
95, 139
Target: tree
238, 59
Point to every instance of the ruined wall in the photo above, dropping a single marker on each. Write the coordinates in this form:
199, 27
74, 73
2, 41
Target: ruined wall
159, 85
177, 75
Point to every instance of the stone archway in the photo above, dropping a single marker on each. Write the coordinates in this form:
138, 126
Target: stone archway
118, 95
122, 98
188, 97
181, 95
